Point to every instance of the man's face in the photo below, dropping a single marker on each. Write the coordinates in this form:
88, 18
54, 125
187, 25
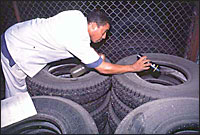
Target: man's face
98, 33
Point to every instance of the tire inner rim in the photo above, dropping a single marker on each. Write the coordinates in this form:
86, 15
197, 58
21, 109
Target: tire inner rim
62, 71
169, 76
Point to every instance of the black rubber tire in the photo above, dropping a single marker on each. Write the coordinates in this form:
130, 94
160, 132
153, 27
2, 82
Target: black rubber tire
119, 108
100, 115
92, 106
177, 115
82, 90
133, 90
102, 127
107, 129
90, 90
113, 120
55, 115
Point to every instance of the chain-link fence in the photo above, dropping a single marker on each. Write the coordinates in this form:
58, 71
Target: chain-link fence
137, 26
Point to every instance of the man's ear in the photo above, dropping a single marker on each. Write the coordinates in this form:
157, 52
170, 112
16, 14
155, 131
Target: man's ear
94, 26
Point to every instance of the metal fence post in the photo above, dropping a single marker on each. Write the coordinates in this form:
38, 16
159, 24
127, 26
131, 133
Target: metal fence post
194, 47
16, 11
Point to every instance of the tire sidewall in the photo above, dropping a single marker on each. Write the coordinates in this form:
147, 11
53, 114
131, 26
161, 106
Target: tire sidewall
161, 116
188, 88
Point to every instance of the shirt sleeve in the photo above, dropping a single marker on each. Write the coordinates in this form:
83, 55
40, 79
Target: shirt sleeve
95, 64
82, 50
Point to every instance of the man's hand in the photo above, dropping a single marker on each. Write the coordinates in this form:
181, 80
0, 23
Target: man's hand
142, 64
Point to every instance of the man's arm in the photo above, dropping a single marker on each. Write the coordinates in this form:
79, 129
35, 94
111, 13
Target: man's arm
109, 68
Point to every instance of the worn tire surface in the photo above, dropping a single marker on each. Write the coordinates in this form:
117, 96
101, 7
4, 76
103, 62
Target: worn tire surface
119, 108
107, 129
55, 115
134, 90
177, 115
92, 106
83, 89
90, 90
100, 115
113, 120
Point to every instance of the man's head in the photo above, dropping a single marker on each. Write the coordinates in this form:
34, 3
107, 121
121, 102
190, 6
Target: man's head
98, 25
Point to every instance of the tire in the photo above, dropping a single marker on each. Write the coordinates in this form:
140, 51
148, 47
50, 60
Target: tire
117, 111
177, 115
100, 115
54, 80
119, 108
92, 106
107, 129
113, 120
55, 115
179, 78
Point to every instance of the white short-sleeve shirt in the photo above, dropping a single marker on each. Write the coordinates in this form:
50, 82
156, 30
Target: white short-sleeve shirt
34, 43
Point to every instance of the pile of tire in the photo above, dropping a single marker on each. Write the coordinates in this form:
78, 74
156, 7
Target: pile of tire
176, 115
55, 115
91, 90
179, 78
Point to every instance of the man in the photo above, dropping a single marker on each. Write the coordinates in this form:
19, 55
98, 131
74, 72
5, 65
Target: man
28, 46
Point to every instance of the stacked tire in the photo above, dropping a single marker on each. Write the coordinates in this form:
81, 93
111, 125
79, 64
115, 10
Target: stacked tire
55, 115
176, 115
91, 90
179, 78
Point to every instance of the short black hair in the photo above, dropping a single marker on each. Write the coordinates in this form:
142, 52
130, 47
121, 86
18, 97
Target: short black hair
98, 17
